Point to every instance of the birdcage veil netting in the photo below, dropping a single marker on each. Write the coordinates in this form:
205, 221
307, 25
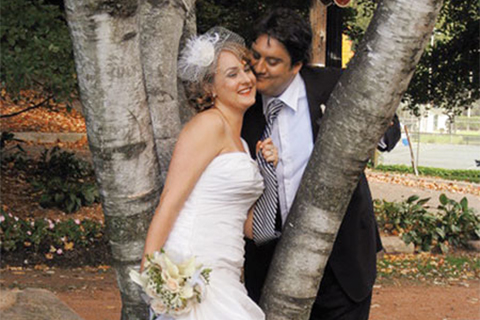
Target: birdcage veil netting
200, 54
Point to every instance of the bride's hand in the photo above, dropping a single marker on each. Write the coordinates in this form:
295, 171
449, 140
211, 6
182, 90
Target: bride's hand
269, 151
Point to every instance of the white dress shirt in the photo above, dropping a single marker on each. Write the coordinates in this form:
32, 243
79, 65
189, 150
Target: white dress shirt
292, 135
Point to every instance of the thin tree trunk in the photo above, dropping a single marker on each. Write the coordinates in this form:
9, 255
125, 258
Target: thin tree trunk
107, 55
358, 113
189, 29
162, 25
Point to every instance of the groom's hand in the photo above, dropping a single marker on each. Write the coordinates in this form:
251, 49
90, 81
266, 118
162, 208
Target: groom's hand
269, 151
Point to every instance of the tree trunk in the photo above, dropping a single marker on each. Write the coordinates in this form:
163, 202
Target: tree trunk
106, 38
358, 113
162, 25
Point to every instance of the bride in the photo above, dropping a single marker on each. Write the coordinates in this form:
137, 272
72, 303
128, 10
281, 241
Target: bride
212, 181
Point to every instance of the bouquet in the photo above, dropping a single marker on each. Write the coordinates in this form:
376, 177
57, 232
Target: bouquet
171, 289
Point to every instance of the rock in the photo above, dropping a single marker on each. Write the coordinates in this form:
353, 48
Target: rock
34, 304
7, 299
474, 245
396, 245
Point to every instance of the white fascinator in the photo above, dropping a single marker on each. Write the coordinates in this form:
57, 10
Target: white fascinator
201, 52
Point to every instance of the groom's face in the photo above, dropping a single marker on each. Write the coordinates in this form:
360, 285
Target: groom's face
273, 66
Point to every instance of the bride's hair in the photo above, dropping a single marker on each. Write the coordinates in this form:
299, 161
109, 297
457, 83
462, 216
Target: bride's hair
198, 62
199, 94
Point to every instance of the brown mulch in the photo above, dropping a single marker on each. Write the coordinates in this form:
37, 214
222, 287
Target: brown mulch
55, 118
411, 180
93, 294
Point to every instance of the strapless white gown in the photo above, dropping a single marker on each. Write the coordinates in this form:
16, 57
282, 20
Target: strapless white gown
210, 227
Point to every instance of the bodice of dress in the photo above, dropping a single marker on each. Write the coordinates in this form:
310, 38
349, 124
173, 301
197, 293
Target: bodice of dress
210, 226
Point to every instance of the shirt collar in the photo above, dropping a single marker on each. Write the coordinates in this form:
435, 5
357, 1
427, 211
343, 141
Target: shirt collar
291, 96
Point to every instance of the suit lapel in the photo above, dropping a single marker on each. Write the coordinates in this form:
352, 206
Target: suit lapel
253, 124
319, 84
313, 98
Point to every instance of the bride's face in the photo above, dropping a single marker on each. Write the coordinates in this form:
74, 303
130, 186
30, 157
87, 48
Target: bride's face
234, 83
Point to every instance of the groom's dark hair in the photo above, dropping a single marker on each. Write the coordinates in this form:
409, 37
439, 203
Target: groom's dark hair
290, 29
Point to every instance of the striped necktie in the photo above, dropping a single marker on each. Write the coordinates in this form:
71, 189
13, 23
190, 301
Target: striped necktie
265, 211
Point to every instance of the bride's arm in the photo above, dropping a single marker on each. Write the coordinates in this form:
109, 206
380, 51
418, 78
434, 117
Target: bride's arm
248, 228
199, 142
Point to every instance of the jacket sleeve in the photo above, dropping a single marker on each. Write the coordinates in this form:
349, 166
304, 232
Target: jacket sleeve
391, 136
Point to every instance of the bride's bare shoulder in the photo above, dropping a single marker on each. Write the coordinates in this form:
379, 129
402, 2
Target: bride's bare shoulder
208, 122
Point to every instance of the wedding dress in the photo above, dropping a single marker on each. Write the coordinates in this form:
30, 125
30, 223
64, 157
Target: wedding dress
210, 227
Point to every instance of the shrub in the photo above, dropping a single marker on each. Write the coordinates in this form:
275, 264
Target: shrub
451, 174
46, 236
458, 223
64, 181
453, 225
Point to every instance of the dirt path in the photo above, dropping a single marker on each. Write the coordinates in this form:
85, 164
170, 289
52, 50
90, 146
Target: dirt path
93, 294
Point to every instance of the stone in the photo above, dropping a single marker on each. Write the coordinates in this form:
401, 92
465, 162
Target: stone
474, 245
7, 299
34, 304
396, 245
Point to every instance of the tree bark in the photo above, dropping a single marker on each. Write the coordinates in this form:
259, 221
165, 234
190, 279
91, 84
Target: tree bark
162, 25
357, 114
106, 38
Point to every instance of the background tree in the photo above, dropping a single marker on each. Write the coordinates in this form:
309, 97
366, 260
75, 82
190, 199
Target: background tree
447, 76
36, 51
357, 115
240, 15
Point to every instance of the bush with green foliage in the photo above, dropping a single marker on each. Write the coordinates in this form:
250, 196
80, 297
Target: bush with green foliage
47, 236
452, 225
36, 51
458, 223
64, 181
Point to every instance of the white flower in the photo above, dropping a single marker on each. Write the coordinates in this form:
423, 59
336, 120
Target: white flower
150, 291
187, 269
139, 278
171, 288
187, 291
170, 267
158, 306
173, 285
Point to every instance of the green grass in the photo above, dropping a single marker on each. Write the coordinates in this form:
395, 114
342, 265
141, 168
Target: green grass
449, 174
469, 138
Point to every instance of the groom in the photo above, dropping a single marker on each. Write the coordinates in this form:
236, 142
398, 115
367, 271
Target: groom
280, 56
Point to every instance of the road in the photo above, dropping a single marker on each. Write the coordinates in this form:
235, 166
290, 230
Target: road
447, 156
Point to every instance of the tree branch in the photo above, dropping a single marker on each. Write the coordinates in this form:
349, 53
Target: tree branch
26, 109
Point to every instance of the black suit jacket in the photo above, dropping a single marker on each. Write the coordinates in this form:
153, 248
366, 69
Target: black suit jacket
353, 257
